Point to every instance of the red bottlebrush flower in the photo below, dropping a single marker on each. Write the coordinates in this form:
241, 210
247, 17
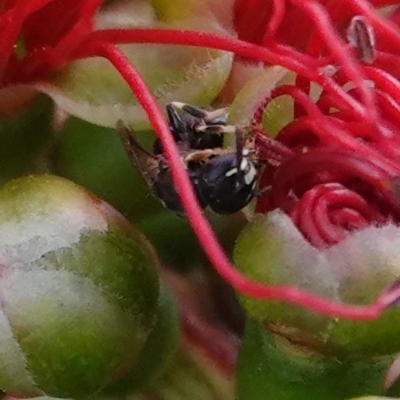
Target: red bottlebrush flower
49, 31
361, 151
260, 22
37, 36
343, 144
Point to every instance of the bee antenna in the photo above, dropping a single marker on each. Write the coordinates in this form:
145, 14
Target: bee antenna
176, 121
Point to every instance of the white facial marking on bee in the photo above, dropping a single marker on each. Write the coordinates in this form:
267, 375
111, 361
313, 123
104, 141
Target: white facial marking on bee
249, 171
244, 165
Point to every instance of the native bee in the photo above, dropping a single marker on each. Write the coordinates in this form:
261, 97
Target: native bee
225, 180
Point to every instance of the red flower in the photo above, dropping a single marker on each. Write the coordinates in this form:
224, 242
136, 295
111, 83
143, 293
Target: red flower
341, 175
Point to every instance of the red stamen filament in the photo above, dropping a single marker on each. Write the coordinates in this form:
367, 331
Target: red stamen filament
275, 20
338, 48
324, 226
247, 50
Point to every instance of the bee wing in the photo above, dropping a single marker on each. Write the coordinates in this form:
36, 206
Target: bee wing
204, 155
147, 163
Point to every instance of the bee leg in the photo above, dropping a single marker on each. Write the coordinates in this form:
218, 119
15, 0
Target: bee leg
263, 191
217, 116
202, 155
196, 112
216, 129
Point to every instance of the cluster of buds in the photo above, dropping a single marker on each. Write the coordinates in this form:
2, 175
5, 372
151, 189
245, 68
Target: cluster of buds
322, 99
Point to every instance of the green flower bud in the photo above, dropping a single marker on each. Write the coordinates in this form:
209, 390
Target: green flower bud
355, 271
79, 289
270, 367
159, 351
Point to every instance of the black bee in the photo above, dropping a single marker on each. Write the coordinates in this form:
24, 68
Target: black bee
223, 179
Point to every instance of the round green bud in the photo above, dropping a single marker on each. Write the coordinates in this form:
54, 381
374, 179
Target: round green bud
355, 272
79, 289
